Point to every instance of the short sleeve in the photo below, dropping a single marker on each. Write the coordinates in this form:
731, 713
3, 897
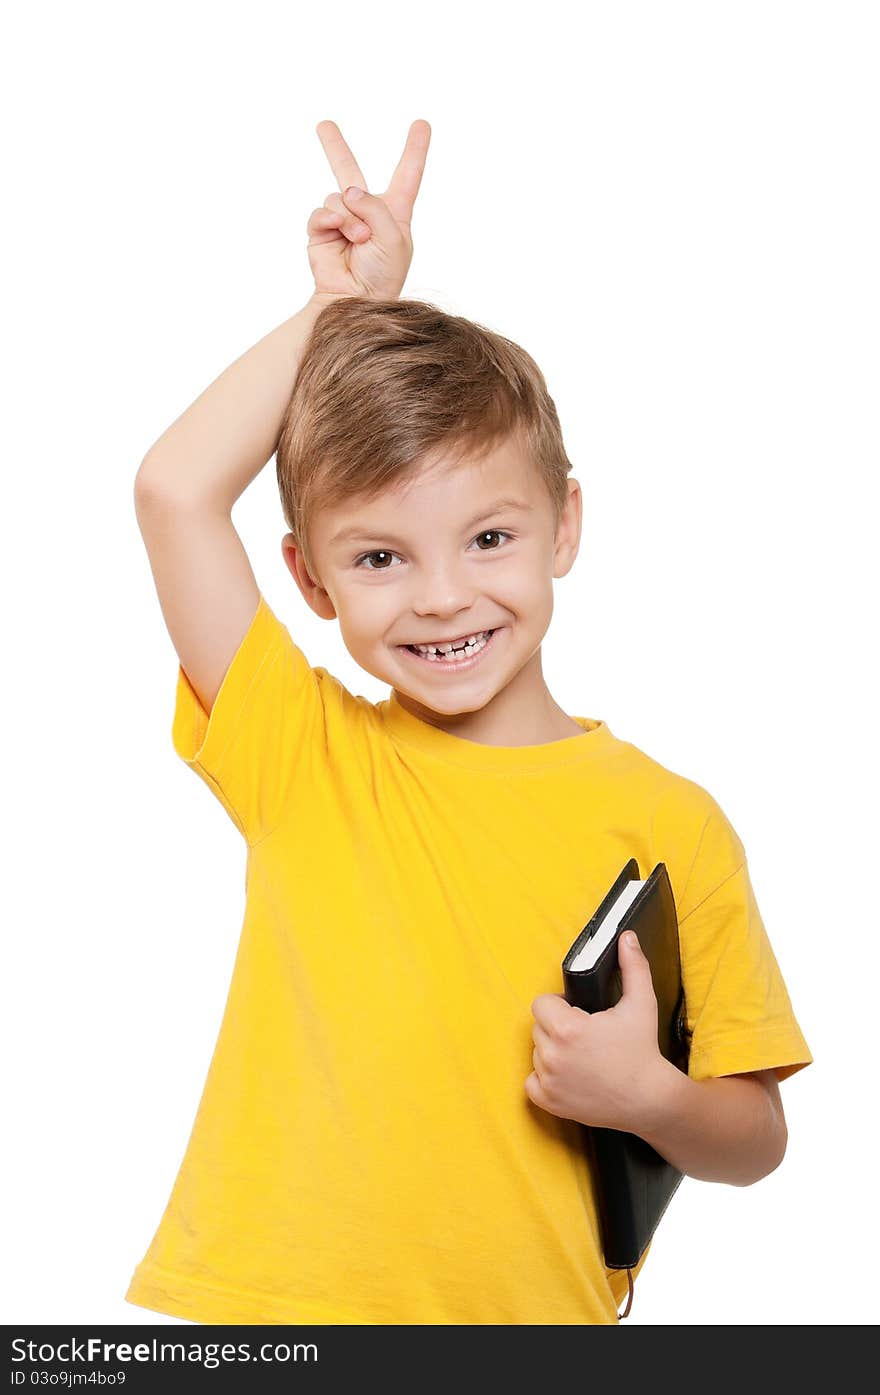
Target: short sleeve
739, 1012
268, 713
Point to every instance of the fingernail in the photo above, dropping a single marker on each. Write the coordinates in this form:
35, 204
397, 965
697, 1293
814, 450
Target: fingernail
354, 193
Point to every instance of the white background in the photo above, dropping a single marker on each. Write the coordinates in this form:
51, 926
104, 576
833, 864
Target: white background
674, 208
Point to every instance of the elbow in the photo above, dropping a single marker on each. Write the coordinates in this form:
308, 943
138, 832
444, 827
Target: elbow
144, 488
149, 482
775, 1131
773, 1157
780, 1135
781, 1146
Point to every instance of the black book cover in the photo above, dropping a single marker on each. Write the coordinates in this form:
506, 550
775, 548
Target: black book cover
633, 1183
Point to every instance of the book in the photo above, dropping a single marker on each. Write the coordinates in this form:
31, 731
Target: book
633, 1184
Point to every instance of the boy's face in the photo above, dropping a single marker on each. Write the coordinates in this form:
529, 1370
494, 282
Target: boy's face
434, 561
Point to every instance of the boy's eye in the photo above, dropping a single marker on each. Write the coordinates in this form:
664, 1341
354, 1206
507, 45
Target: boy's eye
491, 533
374, 554
486, 533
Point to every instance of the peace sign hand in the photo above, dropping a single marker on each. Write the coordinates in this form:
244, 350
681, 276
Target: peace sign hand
362, 245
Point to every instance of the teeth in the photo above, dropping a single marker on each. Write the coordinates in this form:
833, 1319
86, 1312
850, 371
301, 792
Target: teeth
465, 646
450, 644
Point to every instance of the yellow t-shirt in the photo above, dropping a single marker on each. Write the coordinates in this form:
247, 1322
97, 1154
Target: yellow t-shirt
364, 1150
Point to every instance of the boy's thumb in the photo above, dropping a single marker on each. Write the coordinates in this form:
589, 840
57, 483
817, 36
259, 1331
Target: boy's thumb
634, 967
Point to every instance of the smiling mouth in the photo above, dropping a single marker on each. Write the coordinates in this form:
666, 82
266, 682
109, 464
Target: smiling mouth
453, 651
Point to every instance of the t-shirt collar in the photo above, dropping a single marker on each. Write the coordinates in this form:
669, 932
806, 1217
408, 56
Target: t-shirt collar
405, 727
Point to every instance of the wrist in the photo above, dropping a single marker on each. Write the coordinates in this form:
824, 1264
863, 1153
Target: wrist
322, 298
658, 1097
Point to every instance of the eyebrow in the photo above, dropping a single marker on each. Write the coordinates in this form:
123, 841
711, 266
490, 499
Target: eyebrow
357, 533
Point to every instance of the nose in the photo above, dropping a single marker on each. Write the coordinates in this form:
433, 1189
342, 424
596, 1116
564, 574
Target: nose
442, 590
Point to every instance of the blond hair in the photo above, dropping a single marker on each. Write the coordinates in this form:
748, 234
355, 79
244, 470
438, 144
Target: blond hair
384, 383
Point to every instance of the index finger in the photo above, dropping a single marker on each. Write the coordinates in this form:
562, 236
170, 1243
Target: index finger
342, 162
407, 177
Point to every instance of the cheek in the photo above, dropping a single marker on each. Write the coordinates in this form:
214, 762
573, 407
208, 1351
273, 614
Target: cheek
523, 588
366, 613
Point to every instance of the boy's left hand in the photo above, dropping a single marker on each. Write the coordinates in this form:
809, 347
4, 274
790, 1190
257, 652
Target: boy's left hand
363, 246
599, 1068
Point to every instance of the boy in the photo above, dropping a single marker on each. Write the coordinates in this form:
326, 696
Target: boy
388, 1133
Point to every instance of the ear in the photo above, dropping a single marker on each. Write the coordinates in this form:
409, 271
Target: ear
313, 593
568, 531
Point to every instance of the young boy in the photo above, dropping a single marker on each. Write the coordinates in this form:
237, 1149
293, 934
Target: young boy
389, 1129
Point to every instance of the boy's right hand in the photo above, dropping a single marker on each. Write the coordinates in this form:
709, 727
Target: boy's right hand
363, 246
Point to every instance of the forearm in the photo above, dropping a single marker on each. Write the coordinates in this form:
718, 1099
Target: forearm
724, 1129
211, 453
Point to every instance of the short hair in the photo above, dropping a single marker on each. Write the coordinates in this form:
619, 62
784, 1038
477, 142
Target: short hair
383, 384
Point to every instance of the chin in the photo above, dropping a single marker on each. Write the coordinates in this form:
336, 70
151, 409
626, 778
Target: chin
447, 704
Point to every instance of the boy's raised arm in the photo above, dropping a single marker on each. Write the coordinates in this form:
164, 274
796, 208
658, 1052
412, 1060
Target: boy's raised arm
191, 477
184, 493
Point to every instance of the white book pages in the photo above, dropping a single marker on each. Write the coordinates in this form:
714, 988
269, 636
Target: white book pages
604, 932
